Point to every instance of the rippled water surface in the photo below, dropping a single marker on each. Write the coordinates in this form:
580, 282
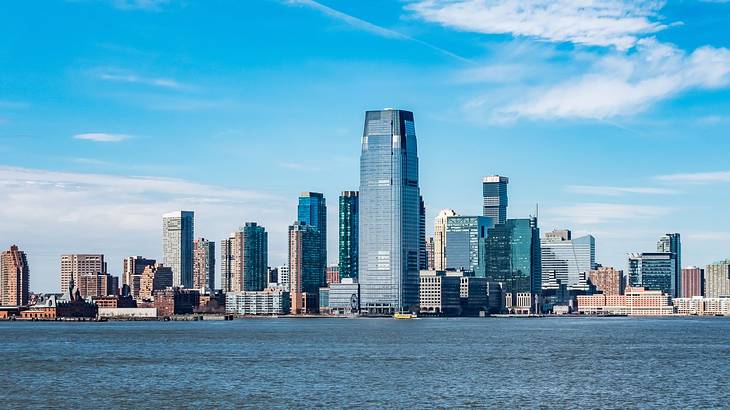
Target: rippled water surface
425, 363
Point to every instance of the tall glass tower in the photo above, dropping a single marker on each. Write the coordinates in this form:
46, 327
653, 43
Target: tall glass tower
389, 213
349, 225
312, 210
672, 244
495, 198
177, 246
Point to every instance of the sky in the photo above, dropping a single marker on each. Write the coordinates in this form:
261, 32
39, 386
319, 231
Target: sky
612, 116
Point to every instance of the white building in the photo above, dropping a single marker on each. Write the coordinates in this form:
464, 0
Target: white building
270, 301
439, 238
564, 258
177, 246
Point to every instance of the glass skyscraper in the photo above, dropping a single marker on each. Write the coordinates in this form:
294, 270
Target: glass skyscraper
389, 212
567, 257
494, 189
305, 275
349, 217
653, 271
254, 264
464, 234
422, 253
177, 246
312, 210
672, 244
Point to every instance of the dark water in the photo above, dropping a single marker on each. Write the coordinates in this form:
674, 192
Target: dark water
261, 363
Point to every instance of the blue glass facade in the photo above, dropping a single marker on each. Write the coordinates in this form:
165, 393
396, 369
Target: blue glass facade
653, 271
463, 237
494, 189
349, 217
312, 210
389, 212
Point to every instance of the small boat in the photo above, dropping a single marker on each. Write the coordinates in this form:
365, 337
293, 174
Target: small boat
404, 315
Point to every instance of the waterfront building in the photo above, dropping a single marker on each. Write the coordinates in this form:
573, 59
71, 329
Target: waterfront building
305, 273
283, 278
245, 259
635, 301
717, 279
177, 246
512, 258
473, 293
465, 237
430, 248
73, 266
494, 189
607, 280
312, 210
653, 271
203, 264
693, 282
115, 301
333, 274
128, 312
439, 293
439, 238
72, 305
97, 285
566, 257
176, 301
389, 213
132, 272
14, 277
349, 218
698, 305
270, 301
671, 243
44, 308
344, 297
154, 278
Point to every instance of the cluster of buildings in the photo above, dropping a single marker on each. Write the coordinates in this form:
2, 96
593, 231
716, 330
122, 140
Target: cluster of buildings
472, 265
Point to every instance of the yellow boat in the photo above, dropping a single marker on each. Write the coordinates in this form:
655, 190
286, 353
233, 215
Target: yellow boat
402, 315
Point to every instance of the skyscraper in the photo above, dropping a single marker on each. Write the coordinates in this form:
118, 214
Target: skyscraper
422, 252
693, 282
430, 247
73, 266
177, 246
245, 259
512, 257
671, 243
312, 210
203, 264
464, 235
227, 246
305, 275
349, 217
717, 279
132, 271
567, 257
608, 280
495, 197
439, 238
14, 277
653, 271
389, 212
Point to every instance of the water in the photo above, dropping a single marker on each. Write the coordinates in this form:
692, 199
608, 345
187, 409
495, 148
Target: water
261, 363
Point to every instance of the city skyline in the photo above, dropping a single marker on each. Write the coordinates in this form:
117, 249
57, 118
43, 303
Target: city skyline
626, 171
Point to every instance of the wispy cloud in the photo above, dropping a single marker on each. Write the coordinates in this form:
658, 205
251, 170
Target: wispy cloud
101, 137
617, 23
617, 190
130, 77
364, 25
697, 177
145, 5
297, 166
708, 236
598, 213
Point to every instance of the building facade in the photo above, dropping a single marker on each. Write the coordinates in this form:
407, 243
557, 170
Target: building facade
389, 213
203, 264
439, 238
494, 189
422, 250
154, 278
465, 237
653, 271
567, 257
430, 256
671, 243
717, 279
312, 210
73, 266
98, 285
344, 297
177, 246
305, 273
693, 282
636, 301
270, 301
349, 219
14, 277
607, 280
132, 269
439, 293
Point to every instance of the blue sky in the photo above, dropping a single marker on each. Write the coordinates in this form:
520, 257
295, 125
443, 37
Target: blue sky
613, 116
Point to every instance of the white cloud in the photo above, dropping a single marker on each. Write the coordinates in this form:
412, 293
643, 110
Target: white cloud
146, 5
617, 23
101, 137
597, 213
616, 190
126, 76
697, 177
708, 236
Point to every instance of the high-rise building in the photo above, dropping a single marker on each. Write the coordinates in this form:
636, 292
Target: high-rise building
305, 275
14, 277
203, 264
566, 256
312, 210
439, 238
73, 266
430, 249
349, 217
227, 246
282, 279
389, 212
177, 246
653, 271
717, 279
607, 280
422, 253
464, 235
494, 189
154, 278
250, 252
98, 285
671, 243
512, 258
693, 282
132, 271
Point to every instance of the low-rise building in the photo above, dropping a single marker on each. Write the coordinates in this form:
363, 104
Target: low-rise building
342, 298
270, 301
636, 301
439, 293
176, 301
128, 313
697, 305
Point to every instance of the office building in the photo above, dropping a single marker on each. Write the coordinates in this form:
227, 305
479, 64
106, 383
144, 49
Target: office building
177, 246
98, 285
282, 277
494, 189
389, 213
566, 256
672, 244
464, 235
14, 277
430, 249
422, 252
305, 273
176, 301
607, 280
653, 271
73, 266
133, 267
312, 210
693, 282
154, 278
227, 245
203, 264
439, 293
349, 218
439, 238
270, 301
717, 279
512, 258
344, 297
